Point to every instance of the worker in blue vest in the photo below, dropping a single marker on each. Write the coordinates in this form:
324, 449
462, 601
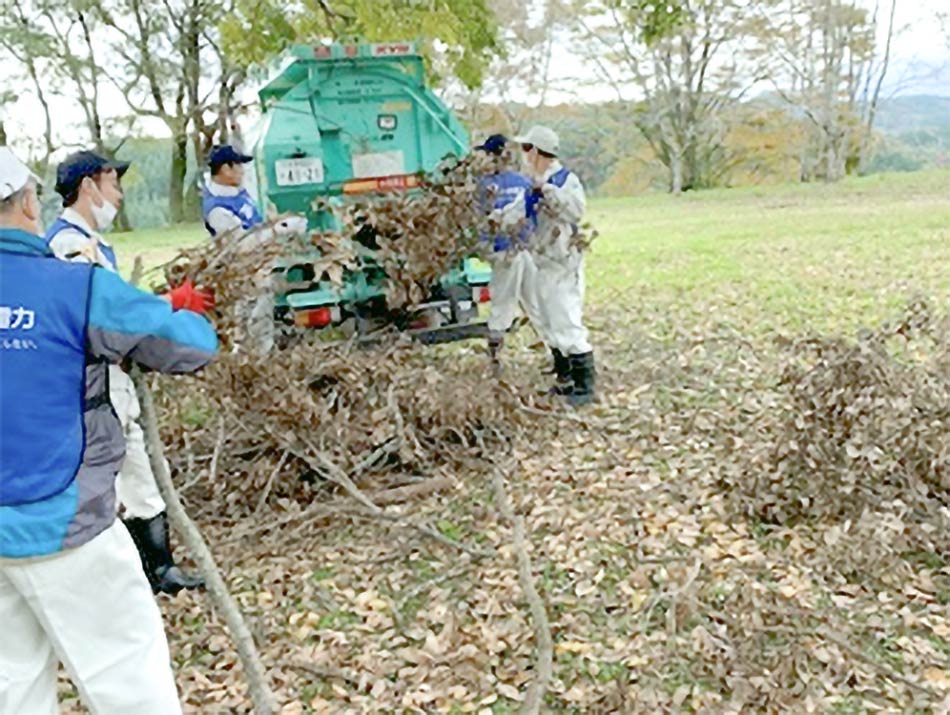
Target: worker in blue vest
92, 196
556, 206
226, 205
513, 271
229, 209
72, 588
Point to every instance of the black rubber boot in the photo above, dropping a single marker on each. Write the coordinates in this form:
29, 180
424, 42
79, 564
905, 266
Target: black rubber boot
564, 383
495, 344
151, 539
585, 377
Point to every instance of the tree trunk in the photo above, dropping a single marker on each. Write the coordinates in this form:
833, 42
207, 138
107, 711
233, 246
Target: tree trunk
179, 170
868, 133
122, 223
833, 54
676, 173
192, 199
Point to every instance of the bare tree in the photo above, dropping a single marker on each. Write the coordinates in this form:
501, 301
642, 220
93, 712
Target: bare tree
521, 75
829, 65
74, 68
172, 69
875, 75
686, 60
28, 47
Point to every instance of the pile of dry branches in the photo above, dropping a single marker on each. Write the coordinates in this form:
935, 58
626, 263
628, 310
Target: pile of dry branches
285, 425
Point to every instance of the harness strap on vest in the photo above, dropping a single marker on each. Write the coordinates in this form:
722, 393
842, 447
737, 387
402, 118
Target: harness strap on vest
533, 198
97, 401
559, 178
59, 225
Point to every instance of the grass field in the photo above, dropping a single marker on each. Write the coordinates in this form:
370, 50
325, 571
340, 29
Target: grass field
781, 258
667, 587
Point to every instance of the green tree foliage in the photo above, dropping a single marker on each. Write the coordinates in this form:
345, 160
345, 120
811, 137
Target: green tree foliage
653, 21
458, 37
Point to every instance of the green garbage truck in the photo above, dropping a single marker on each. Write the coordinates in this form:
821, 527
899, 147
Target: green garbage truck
342, 122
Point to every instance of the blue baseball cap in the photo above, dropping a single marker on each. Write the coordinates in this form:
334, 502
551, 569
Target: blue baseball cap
226, 154
76, 167
495, 144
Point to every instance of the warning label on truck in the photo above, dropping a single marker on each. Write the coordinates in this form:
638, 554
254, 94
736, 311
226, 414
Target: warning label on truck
381, 163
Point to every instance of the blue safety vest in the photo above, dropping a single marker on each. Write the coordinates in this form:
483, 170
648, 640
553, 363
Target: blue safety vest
558, 178
507, 187
44, 305
241, 205
62, 224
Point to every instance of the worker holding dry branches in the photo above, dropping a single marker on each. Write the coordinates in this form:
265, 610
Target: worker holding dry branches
226, 205
71, 585
89, 186
229, 210
556, 206
513, 270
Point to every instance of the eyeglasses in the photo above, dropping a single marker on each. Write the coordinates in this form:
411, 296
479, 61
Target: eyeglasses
527, 147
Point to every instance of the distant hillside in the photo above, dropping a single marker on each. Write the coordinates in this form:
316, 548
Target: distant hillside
914, 133
914, 113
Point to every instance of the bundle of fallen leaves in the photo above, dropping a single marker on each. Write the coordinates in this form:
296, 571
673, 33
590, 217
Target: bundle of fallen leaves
416, 238
860, 422
237, 267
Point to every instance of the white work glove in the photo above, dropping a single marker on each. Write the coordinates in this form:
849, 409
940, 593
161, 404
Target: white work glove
290, 226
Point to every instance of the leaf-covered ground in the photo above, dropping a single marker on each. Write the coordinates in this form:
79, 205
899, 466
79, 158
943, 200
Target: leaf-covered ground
719, 534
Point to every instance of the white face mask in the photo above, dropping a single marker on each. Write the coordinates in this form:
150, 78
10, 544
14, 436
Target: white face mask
104, 215
526, 163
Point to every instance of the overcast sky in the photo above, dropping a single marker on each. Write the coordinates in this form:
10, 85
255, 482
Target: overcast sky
920, 62
920, 65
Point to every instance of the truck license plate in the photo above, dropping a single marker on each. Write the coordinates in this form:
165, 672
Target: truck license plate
296, 172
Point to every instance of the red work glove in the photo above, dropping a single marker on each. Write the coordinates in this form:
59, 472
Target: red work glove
187, 297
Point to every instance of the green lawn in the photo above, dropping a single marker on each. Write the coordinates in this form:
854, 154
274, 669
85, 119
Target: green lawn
155, 245
779, 258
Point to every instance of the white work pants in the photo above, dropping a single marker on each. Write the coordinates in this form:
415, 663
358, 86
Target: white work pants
513, 280
92, 609
560, 295
135, 484
258, 315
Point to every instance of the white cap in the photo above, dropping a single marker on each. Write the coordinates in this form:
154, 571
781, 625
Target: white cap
544, 138
14, 174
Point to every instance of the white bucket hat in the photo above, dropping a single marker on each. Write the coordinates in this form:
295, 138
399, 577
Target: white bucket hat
14, 174
544, 138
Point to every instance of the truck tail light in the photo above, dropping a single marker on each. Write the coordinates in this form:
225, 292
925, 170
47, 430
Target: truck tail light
314, 318
481, 294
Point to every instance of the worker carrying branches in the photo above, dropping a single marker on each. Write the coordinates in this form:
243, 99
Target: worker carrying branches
513, 278
555, 206
89, 186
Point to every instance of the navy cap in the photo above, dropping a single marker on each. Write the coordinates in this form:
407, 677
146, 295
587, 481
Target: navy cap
226, 154
495, 144
76, 167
